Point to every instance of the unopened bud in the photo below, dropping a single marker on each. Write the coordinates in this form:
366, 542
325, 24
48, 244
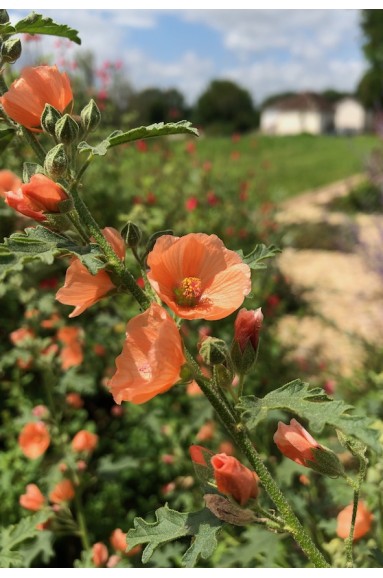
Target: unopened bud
66, 129
56, 162
223, 376
90, 116
244, 350
132, 235
49, 118
4, 17
11, 50
213, 351
326, 462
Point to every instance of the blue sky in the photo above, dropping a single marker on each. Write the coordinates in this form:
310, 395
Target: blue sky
265, 51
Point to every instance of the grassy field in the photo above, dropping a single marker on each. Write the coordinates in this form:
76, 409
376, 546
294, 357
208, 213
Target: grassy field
284, 166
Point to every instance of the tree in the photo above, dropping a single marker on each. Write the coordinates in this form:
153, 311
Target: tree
155, 105
370, 88
225, 107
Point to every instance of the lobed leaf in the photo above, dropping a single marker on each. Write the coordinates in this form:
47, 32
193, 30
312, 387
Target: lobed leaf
158, 129
312, 404
260, 252
43, 244
14, 535
38, 24
172, 525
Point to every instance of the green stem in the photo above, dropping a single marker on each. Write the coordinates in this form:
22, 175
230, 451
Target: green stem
241, 436
348, 543
34, 144
114, 262
81, 521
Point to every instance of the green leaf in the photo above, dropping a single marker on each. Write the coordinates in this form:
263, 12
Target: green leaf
16, 534
101, 149
171, 525
38, 24
158, 129
260, 549
6, 135
40, 546
108, 466
260, 252
43, 244
312, 404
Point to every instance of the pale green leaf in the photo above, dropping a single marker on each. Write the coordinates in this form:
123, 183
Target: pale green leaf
154, 130
259, 254
171, 525
38, 24
16, 534
312, 404
40, 546
43, 244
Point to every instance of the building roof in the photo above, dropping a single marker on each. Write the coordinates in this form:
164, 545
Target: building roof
305, 101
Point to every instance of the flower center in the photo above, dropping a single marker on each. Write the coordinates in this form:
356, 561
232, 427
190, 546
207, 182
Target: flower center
189, 292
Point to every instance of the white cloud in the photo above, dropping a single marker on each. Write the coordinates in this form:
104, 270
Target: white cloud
269, 50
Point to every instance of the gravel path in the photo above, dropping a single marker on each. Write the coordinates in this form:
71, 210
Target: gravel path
334, 262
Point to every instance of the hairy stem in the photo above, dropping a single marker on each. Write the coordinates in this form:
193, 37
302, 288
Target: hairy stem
241, 436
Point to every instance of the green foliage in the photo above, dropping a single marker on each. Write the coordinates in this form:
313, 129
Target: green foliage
225, 107
257, 548
171, 525
6, 136
312, 404
14, 535
370, 88
38, 24
154, 105
256, 257
43, 244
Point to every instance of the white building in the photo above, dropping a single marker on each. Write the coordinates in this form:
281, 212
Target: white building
350, 116
302, 113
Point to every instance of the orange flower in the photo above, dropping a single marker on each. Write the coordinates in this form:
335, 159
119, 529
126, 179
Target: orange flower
41, 195
206, 432
8, 182
20, 335
62, 492
151, 358
32, 499
363, 521
99, 554
27, 96
75, 400
84, 441
296, 443
197, 277
34, 439
81, 288
118, 540
234, 479
71, 354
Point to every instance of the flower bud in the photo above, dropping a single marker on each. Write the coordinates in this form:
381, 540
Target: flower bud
56, 162
41, 195
4, 17
66, 129
90, 116
234, 479
49, 118
132, 234
244, 350
11, 50
213, 351
298, 445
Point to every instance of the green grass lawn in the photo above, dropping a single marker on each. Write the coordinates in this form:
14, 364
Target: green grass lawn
280, 167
